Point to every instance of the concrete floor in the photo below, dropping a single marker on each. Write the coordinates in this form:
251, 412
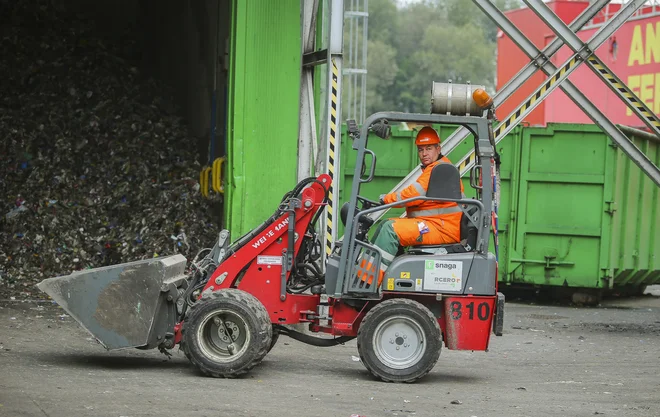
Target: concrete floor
552, 361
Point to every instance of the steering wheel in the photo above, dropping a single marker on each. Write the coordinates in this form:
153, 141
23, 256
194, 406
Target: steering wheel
366, 203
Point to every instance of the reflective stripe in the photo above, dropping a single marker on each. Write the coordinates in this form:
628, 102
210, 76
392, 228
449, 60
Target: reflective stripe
463, 195
386, 256
383, 268
398, 196
434, 212
420, 189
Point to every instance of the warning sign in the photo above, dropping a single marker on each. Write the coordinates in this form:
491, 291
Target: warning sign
443, 275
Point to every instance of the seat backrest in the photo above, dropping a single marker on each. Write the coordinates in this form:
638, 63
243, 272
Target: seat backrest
469, 231
445, 182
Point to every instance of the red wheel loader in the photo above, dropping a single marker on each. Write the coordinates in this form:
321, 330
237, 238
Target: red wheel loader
227, 308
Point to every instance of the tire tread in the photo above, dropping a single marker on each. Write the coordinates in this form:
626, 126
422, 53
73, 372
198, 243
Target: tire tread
252, 303
412, 304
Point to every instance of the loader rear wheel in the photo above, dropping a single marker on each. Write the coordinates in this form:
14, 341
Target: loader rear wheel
399, 340
226, 333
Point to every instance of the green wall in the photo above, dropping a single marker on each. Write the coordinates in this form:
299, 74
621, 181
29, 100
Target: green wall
264, 85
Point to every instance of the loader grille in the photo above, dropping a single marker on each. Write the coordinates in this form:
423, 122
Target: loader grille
365, 273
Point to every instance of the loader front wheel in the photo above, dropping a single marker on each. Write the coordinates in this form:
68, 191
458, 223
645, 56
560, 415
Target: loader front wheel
399, 340
226, 333
276, 336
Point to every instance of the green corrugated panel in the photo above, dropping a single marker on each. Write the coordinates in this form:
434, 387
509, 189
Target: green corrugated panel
559, 214
264, 84
587, 216
634, 257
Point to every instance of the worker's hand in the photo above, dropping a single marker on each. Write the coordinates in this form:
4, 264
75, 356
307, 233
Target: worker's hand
381, 199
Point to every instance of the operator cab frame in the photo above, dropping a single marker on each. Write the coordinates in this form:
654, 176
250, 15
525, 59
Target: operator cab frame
342, 267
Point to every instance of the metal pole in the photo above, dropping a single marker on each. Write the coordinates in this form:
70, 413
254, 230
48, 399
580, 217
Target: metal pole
307, 119
331, 129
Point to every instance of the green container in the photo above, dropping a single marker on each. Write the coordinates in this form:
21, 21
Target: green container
574, 210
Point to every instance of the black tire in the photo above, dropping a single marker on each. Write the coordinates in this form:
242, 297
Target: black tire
223, 318
276, 336
413, 328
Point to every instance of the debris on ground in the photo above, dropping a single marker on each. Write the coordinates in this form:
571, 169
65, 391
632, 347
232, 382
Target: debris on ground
96, 167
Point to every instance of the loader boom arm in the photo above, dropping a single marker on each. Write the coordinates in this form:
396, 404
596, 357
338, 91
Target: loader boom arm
268, 258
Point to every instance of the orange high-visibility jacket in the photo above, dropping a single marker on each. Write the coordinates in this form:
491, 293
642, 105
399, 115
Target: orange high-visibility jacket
443, 219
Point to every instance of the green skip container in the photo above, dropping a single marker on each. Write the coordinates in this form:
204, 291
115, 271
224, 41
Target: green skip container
575, 212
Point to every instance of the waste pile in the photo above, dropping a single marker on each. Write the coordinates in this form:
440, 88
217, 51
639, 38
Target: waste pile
96, 167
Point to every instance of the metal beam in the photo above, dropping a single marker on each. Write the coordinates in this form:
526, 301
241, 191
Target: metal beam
331, 122
615, 134
307, 119
596, 65
315, 58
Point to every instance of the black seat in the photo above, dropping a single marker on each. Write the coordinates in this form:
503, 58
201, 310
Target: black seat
445, 182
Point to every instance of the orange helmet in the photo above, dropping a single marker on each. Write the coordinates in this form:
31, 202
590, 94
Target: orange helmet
427, 136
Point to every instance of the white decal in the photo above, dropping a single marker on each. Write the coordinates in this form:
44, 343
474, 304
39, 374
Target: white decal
443, 275
269, 260
270, 233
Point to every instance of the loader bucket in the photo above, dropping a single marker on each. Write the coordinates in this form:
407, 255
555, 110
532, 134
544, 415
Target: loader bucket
123, 305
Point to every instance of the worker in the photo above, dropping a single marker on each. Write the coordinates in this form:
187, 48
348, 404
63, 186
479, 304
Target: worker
426, 222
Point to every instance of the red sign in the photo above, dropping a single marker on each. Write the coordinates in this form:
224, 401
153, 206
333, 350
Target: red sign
632, 53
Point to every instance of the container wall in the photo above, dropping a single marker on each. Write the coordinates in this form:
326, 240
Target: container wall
634, 251
265, 67
560, 210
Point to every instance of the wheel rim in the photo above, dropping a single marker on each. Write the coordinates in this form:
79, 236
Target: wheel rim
399, 342
223, 336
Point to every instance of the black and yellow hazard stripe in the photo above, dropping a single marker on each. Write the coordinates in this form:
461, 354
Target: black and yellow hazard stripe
626, 93
332, 142
515, 117
463, 165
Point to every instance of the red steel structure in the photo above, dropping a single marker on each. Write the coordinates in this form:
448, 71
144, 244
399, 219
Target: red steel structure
633, 54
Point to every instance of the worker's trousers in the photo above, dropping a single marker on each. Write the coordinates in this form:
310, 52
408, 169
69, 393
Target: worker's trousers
387, 242
394, 233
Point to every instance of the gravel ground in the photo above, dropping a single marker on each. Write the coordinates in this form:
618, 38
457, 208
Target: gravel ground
552, 361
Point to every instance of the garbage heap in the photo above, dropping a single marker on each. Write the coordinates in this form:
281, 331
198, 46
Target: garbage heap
96, 167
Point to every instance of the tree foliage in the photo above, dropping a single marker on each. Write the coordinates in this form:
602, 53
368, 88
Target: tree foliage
412, 44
